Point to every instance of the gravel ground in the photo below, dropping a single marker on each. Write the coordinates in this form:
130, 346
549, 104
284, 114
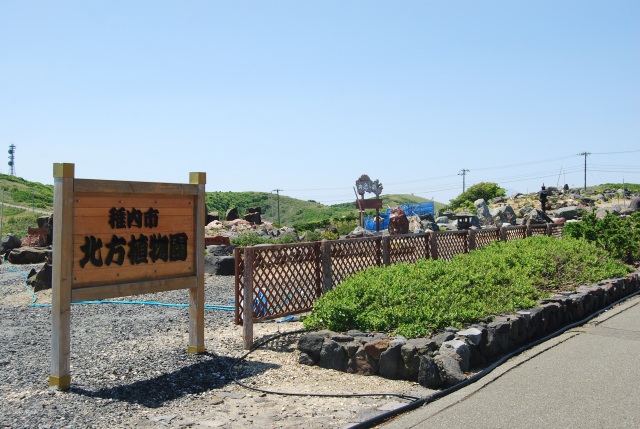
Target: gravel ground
130, 369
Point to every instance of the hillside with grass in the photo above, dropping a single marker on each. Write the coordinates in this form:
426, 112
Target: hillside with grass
296, 212
23, 202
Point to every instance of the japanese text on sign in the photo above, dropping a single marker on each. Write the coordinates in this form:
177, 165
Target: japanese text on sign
138, 250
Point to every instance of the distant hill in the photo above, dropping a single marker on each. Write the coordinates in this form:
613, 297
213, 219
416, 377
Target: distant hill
294, 211
24, 202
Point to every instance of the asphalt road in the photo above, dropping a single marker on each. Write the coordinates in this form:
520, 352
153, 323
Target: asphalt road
588, 377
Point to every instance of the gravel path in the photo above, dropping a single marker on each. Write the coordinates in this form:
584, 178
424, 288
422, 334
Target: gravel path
130, 369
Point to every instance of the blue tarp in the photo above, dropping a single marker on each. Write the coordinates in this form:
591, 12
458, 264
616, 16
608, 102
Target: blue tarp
414, 209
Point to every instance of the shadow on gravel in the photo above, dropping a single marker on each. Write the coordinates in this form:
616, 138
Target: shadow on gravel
197, 378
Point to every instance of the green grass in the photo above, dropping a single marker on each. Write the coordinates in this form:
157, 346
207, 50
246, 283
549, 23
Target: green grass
418, 299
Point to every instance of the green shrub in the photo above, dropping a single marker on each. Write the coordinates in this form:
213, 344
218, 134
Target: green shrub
418, 299
484, 190
620, 237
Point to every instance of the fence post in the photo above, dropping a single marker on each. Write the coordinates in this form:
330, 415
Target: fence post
247, 314
549, 229
503, 233
386, 246
326, 265
529, 230
472, 239
434, 245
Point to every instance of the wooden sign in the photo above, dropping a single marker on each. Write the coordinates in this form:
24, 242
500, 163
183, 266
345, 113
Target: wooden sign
114, 239
362, 204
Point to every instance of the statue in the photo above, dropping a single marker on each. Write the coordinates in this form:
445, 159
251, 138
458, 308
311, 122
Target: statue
365, 184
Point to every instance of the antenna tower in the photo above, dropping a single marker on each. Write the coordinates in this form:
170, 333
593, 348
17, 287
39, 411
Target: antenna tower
12, 159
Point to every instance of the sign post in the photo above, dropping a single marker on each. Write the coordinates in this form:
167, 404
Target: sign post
114, 239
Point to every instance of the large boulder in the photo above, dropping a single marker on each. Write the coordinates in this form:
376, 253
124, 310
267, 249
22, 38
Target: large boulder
484, 215
503, 214
28, 255
635, 204
398, 222
219, 265
536, 217
9, 242
568, 213
360, 232
232, 214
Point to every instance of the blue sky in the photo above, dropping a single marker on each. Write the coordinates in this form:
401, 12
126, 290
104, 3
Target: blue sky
305, 96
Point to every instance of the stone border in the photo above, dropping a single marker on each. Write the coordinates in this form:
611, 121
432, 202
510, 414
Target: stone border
443, 360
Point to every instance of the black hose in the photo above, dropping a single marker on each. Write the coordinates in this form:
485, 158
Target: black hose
437, 395
321, 395
416, 402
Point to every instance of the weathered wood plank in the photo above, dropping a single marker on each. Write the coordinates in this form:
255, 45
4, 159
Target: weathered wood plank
130, 289
123, 187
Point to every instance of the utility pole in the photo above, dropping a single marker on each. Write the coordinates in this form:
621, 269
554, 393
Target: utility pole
277, 191
463, 173
585, 154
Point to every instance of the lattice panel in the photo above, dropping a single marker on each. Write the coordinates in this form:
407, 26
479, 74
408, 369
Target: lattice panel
515, 232
451, 243
408, 248
556, 230
239, 292
486, 236
537, 230
286, 280
353, 255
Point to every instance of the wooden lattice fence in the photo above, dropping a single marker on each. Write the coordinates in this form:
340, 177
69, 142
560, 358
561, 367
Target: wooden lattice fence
287, 279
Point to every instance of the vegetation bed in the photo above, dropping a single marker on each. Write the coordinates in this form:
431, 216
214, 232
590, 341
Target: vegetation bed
418, 299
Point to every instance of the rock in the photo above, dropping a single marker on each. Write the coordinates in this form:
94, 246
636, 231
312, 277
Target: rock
218, 250
9, 242
398, 222
449, 370
232, 214
390, 362
536, 217
311, 344
28, 255
414, 223
445, 336
635, 204
376, 347
472, 335
503, 215
42, 279
483, 213
458, 350
429, 373
360, 232
219, 265
569, 213
333, 356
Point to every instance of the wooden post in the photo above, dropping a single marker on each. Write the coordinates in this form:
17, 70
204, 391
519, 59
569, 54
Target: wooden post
247, 313
472, 239
549, 229
327, 283
386, 247
62, 267
503, 233
317, 262
529, 230
196, 294
434, 245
